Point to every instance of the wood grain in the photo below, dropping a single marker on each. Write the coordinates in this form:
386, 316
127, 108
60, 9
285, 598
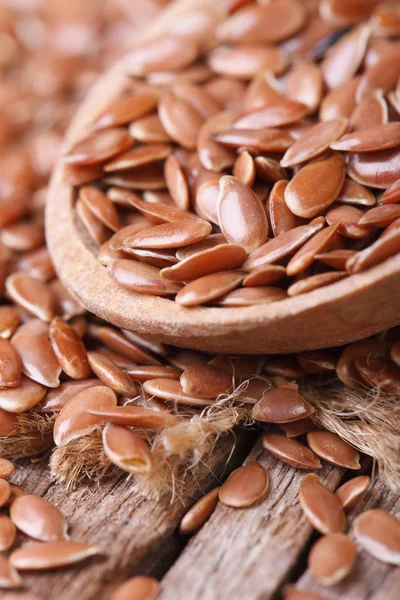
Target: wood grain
247, 554
370, 579
137, 536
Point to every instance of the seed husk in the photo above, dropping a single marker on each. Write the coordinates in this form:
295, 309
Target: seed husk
142, 278
291, 451
332, 558
205, 381
8, 533
137, 588
351, 492
220, 258
51, 555
111, 375
9, 577
333, 449
171, 390
38, 518
208, 288
378, 532
10, 365
74, 421
126, 449
136, 416
314, 142
245, 486
282, 405
321, 507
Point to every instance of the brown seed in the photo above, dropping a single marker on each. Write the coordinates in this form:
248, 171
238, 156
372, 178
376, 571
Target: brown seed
280, 217
33, 295
392, 194
57, 398
381, 216
351, 492
375, 169
6, 468
199, 513
176, 183
395, 353
99, 147
345, 368
344, 57
149, 177
303, 286
9, 577
283, 245
38, 359
142, 278
241, 215
315, 187
282, 405
212, 155
383, 75
347, 219
340, 102
22, 236
245, 486
8, 423
304, 84
10, 365
208, 288
371, 112
149, 130
125, 110
76, 175
297, 428
205, 381
251, 295
379, 373
170, 235
164, 53
374, 139
321, 507
290, 451
22, 397
264, 275
355, 193
331, 558
69, 349
219, 258
156, 211
5, 491
38, 518
384, 247
336, 259
101, 207
269, 169
378, 532
173, 111
157, 258
244, 61
262, 139
119, 343
306, 255
127, 450
240, 367
317, 361
284, 366
111, 375
136, 416
333, 449
8, 534
67, 304
37, 264
171, 390
96, 230
263, 90
143, 373
52, 555
137, 588
9, 321
16, 492
244, 168
74, 421
290, 592
314, 142
138, 157
284, 113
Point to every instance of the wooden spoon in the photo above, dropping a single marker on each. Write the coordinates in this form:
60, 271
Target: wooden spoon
349, 310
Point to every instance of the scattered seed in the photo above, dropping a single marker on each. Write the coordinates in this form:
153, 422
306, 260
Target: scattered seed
297, 428
384, 247
21, 398
38, 518
99, 147
137, 588
39, 362
6, 468
10, 365
333, 449
52, 555
245, 486
282, 405
321, 507
199, 513
291, 451
378, 532
332, 558
351, 492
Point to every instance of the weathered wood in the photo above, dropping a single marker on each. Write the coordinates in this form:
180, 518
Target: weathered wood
249, 553
137, 536
370, 579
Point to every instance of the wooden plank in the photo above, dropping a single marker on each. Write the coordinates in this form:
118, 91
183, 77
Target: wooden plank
137, 536
370, 579
247, 553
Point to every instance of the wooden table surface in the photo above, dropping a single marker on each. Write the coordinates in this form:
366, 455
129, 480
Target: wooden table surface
246, 554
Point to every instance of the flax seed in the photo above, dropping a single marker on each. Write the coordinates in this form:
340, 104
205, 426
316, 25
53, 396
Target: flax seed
332, 558
137, 588
291, 451
38, 518
378, 532
321, 507
351, 492
245, 486
52, 555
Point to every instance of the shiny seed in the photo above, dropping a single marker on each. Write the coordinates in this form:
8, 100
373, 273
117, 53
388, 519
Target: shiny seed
284, 113
262, 139
306, 255
315, 187
321, 507
125, 110
138, 157
149, 177
33, 295
176, 183
212, 155
355, 193
383, 248
135, 416
219, 258
164, 53
38, 359
143, 373
21, 398
332, 558
371, 112
303, 286
262, 91
52, 555
245, 486
142, 278
57, 398
6, 468
336, 259
282, 405
10, 365
5, 491
119, 343
149, 130
208, 288
126, 449
280, 217
351, 492
244, 168
69, 349
171, 390
137, 588
378, 532
283, 245
8, 534
383, 75
304, 84
251, 295
9, 577
296, 428
111, 375
333, 449
290, 451
392, 194
9, 321
172, 112
199, 513
101, 207
379, 373
381, 216
74, 421
347, 220
99, 147
369, 140
244, 61
375, 169
170, 235
205, 381
38, 518
264, 275
339, 102
314, 142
